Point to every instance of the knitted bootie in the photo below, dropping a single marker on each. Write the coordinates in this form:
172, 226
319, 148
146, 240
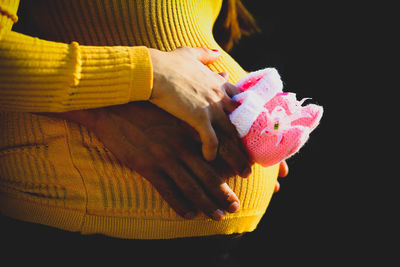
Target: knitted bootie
273, 125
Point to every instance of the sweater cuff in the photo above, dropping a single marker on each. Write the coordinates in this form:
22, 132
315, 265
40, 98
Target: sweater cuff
120, 73
142, 73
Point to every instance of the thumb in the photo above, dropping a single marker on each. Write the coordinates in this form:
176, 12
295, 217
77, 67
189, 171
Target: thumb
209, 140
205, 55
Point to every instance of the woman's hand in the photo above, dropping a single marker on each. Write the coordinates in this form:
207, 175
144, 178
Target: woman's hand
164, 150
187, 89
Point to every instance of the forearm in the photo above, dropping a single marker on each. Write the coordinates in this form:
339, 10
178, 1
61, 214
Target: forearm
43, 76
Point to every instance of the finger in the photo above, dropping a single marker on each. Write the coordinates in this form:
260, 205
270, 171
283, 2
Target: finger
283, 169
231, 148
171, 194
208, 139
231, 90
192, 190
212, 182
190, 131
229, 105
222, 168
235, 158
205, 55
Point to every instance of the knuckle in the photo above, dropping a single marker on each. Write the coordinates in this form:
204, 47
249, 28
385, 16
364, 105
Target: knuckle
219, 93
184, 50
189, 51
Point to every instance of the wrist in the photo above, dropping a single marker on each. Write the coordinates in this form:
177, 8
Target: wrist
153, 57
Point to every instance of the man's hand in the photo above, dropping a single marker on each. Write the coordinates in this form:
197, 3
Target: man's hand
162, 149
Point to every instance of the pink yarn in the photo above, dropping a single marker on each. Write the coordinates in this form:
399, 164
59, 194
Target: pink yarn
273, 124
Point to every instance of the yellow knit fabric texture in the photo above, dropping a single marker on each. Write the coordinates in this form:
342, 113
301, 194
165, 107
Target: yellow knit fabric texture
88, 54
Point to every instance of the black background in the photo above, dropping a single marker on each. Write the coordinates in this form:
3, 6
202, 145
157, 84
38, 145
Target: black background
326, 211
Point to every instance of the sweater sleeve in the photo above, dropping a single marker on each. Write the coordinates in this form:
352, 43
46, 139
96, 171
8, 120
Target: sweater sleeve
44, 76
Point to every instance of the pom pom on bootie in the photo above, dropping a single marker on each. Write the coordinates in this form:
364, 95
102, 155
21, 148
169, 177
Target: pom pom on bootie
272, 124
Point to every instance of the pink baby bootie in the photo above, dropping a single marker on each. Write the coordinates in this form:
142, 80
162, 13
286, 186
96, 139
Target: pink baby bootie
273, 125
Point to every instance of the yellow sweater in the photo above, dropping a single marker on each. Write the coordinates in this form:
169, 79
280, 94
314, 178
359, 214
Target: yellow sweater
57, 173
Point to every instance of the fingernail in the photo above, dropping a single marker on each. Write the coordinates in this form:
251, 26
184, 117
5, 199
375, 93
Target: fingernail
215, 51
234, 207
218, 215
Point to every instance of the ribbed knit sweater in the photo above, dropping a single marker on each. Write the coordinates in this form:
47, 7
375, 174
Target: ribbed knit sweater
87, 54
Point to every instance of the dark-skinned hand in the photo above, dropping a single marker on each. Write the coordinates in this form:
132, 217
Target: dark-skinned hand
167, 152
164, 150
